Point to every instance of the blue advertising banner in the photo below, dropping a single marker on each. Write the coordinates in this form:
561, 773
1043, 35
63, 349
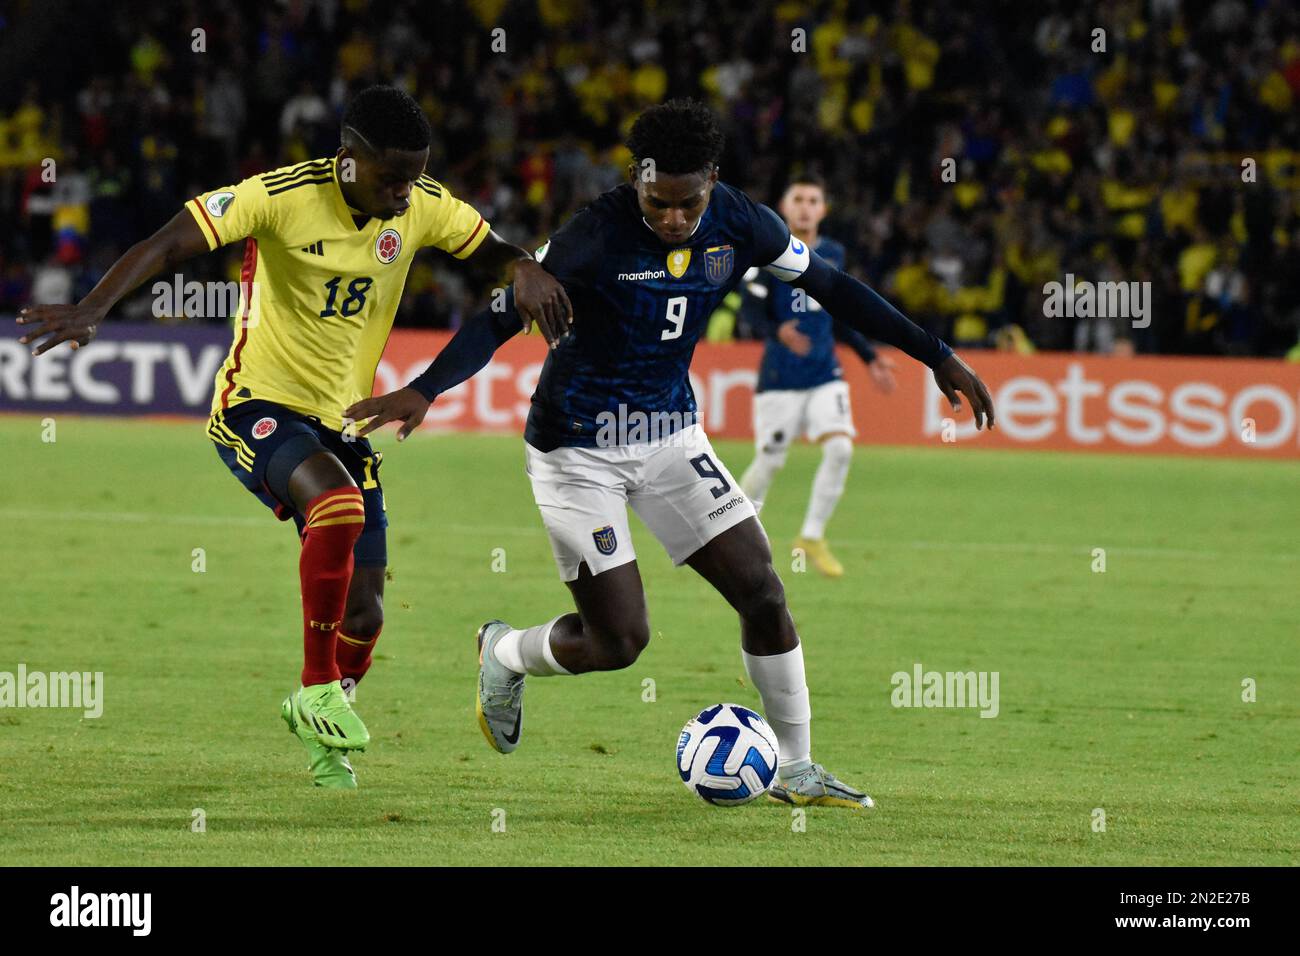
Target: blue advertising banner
130, 369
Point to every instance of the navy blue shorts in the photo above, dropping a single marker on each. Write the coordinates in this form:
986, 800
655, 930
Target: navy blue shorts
262, 443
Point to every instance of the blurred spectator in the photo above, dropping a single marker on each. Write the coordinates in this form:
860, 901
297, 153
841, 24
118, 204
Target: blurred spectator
973, 150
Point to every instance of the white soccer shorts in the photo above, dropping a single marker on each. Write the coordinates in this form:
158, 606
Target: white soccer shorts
781, 417
678, 486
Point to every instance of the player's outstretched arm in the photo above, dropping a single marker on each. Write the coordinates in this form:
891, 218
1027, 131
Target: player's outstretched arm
468, 351
860, 307
175, 242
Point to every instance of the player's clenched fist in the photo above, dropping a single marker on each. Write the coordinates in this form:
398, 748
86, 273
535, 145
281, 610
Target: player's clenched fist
405, 405
61, 323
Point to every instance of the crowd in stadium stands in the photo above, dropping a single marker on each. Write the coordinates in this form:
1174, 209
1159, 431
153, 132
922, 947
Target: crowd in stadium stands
1123, 140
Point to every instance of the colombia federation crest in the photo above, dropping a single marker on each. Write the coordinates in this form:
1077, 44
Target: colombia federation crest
387, 245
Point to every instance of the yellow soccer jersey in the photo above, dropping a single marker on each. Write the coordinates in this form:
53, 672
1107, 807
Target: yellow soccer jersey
318, 293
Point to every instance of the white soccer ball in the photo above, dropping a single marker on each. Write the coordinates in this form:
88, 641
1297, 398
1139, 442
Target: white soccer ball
727, 755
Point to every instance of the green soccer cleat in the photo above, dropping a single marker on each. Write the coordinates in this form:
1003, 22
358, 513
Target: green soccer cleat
329, 766
816, 787
324, 708
500, 699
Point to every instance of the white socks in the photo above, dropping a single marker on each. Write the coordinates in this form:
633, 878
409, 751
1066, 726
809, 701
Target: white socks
828, 485
779, 679
758, 476
529, 651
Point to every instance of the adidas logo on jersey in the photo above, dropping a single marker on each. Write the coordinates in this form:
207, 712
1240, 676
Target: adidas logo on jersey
316, 248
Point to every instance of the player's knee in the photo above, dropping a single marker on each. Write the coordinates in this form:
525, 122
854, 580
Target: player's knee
838, 450
624, 642
764, 599
772, 457
634, 639
364, 617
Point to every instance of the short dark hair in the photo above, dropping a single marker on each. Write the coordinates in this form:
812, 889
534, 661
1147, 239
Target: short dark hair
810, 179
384, 117
681, 136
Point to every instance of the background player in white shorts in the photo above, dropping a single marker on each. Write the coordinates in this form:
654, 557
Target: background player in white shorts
800, 388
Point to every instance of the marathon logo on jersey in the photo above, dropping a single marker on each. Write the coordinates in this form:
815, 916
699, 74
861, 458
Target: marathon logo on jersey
263, 427
388, 245
736, 501
218, 203
606, 542
679, 260
718, 263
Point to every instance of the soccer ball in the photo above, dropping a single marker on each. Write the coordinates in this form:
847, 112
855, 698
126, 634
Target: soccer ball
727, 755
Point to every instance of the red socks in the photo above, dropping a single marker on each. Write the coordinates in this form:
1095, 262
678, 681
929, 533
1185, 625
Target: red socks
334, 522
352, 654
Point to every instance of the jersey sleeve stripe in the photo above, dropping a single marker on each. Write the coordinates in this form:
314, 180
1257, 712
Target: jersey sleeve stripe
425, 187
301, 182
216, 239
246, 274
458, 249
278, 179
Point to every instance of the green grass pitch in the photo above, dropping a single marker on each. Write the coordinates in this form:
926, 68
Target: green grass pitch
1119, 690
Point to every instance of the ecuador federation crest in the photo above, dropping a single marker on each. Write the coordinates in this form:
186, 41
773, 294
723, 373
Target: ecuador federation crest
718, 263
606, 542
679, 260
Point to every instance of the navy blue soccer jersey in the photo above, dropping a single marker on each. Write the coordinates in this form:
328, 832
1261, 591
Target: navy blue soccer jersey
782, 369
639, 308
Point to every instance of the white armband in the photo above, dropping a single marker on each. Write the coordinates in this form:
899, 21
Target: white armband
792, 263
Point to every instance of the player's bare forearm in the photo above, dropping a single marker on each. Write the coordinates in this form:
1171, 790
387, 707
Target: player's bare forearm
175, 242
539, 296
180, 239
497, 255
